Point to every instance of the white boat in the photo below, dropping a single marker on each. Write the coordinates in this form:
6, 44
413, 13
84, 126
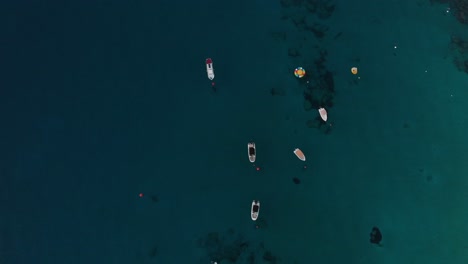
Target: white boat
299, 154
323, 114
251, 151
255, 210
209, 69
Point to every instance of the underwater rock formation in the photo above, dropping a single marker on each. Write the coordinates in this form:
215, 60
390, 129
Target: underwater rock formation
462, 65
291, 3
318, 85
459, 44
269, 257
375, 236
222, 249
319, 124
321, 92
460, 48
322, 8
329, 83
459, 9
234, 248
292, 52
300, 11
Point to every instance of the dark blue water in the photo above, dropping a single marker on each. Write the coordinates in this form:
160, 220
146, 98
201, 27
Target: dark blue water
101, 102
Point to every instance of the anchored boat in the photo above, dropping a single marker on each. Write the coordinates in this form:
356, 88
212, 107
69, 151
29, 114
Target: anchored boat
255, 209
299, 154
209, 69
251, 151
323, 114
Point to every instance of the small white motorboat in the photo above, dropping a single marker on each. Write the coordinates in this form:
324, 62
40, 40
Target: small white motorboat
299, 154
323, 114
209, 69
255, 210
252, 151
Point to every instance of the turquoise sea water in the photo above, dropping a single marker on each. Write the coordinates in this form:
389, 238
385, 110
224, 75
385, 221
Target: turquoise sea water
103, 101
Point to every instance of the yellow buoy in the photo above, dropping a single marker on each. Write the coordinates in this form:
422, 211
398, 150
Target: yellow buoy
354, 70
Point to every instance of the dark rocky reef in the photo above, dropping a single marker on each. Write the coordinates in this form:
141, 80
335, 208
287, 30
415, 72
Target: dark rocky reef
460, 57
320, 92
322, 8
319, 124
291, 3
232, 247
319, 30
459, 9
268, 257
318, 83
218, 249
303, 14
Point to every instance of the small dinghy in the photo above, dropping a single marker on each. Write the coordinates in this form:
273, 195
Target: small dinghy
255, 209
209, 69
251, 151
299, 154
323, 114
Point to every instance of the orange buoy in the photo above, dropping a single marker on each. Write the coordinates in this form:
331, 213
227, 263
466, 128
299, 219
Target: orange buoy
354, 70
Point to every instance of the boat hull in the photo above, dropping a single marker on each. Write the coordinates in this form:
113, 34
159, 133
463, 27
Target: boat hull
209, 69
323, 114
299, 154
254, 213
251, 151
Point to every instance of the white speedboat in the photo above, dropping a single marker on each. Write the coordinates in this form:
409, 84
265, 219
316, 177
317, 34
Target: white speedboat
255, 210
299, 154
251, 151
209, 69
323, 114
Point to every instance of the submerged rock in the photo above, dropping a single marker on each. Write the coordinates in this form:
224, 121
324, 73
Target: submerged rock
375, 236
292, 52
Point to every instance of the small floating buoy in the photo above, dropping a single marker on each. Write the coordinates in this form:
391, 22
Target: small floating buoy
299, 72
354, 70
299, 154
323, 114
